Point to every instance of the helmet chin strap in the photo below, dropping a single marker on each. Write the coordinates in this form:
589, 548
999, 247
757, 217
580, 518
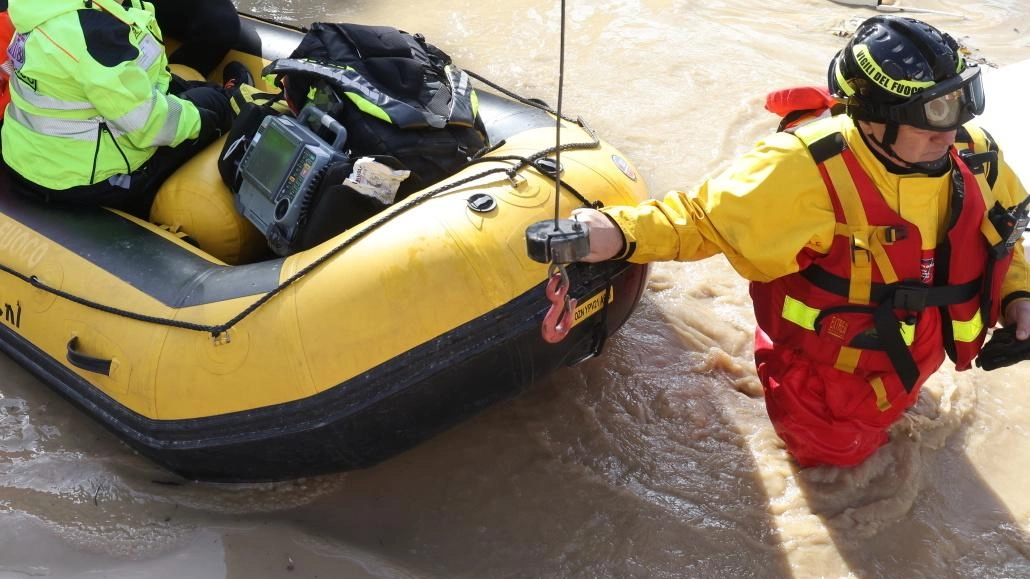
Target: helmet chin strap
890, 136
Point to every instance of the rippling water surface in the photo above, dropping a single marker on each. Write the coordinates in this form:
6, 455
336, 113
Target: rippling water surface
656, 460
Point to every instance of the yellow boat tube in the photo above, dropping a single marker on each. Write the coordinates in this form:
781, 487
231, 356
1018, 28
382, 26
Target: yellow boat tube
333, 358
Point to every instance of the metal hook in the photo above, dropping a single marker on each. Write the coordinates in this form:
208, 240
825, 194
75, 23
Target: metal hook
558, 319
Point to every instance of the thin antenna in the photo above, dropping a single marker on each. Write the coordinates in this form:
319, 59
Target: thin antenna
557, 121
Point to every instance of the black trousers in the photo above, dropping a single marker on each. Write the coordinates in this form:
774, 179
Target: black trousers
207, 29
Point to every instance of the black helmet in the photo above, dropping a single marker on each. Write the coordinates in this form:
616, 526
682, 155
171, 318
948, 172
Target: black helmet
900, 70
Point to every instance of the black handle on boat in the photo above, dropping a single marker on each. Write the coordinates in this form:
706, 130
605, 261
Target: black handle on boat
87, 363
558, 241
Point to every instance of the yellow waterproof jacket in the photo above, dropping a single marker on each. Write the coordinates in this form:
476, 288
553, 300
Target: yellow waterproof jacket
89, 96
771, 203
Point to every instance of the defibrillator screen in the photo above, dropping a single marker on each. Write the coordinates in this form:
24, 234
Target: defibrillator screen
280, 172
272, 158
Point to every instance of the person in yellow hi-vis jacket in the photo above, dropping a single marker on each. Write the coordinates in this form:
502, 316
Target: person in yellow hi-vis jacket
91, 121
876, 242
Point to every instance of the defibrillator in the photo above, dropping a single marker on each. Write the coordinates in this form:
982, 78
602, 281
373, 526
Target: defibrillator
281, 171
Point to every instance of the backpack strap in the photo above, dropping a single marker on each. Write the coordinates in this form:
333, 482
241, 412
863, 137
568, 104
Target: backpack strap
247, 94
371, 100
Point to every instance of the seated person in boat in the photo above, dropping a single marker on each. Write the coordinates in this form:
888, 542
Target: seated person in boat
876, 241
92, 120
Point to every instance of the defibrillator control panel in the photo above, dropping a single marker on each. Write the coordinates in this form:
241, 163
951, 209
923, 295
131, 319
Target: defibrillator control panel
281, 170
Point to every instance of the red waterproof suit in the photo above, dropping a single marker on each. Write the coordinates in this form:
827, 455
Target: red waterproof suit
871, 315
862, 280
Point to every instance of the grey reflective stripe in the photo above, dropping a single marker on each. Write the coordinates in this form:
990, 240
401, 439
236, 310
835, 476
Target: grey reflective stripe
461, 112
440, 104
121, 180
85, 129
349, 80
44, 102
136, 119
80, 130
170, 128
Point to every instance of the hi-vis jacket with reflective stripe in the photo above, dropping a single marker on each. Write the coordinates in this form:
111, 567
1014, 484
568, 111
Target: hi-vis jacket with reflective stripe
771, 215
89, 95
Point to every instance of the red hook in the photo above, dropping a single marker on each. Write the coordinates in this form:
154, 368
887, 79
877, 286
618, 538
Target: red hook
558, 319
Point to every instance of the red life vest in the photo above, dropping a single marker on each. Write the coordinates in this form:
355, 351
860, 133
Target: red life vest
6, 33
869, 306
800, 104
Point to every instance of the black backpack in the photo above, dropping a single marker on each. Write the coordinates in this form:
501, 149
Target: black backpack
397, 95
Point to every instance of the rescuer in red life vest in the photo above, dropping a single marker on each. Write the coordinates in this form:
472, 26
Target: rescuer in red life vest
877, 242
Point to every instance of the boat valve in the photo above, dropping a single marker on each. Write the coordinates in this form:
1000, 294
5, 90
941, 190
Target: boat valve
558, 242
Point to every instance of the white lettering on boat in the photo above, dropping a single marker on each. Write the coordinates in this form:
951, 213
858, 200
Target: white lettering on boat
23, 243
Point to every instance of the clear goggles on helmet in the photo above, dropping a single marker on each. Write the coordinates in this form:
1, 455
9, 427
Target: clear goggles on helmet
944, 106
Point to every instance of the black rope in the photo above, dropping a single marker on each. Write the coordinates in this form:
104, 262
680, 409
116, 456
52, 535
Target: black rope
35, 282
217, 330
535, 103
557, 120
409, 203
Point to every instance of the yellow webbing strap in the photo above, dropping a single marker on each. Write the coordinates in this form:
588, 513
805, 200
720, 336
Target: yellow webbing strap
881, 394
847, 359
251, 94
856, 227
867, 241
880, 257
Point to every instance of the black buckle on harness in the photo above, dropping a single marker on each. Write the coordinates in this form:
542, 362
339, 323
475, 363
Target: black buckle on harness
894, 233
910, 297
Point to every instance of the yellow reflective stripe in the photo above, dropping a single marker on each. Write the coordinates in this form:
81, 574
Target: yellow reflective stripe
969, 330
799, 313
842, 80
368, 107
908, 333
847, 359
872, 70
881, 394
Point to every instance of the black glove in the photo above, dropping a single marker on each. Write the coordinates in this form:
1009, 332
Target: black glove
210, 125
218, 118
1003, 349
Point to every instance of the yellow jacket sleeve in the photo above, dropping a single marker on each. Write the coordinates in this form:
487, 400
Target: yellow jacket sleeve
129, 99
762, 211
771, 204
1010, 191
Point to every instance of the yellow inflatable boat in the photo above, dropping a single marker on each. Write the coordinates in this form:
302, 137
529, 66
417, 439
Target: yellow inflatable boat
221, 361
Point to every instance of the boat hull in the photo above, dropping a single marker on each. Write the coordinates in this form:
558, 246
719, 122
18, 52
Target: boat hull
330, 359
